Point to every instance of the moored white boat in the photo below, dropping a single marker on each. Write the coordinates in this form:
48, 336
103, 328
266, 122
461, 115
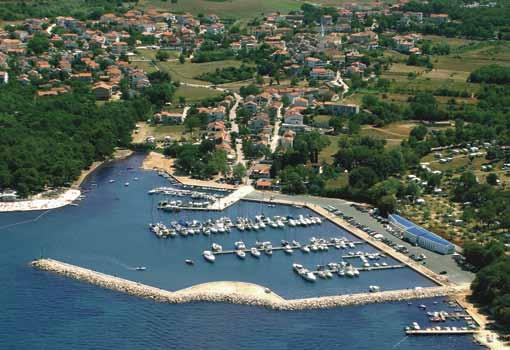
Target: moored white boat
209, 256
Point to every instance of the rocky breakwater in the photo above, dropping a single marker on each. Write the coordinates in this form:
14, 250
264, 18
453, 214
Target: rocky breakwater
237, 292
372, 298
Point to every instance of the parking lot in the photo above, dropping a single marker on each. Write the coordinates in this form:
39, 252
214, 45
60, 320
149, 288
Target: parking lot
442, 264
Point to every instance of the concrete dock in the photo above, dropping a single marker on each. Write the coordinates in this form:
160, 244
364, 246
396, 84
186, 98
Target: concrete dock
440, 331
238, 292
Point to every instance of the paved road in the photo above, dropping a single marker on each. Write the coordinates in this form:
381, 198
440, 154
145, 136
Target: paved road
435, 262
276, 131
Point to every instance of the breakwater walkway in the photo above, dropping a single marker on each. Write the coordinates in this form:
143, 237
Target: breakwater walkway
237, 292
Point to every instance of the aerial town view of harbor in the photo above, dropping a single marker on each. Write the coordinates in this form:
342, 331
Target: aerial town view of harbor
255, 174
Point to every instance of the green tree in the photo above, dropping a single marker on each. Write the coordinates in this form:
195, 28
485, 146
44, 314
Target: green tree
387, 205
492, 179
39, 44
239, 171
162, 55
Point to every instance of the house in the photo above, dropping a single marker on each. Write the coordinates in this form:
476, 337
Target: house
215, 29
322, 74
263, 99
139, 79
365, 37
213, 113
119, 48
259, 122
102, 91
300, 102
4, 78
261, 171
293, 116
313, 62
263, 184
165, 117
337, 108
251, 107
11, 46
215, 126
85, 77
439, 18
287, 139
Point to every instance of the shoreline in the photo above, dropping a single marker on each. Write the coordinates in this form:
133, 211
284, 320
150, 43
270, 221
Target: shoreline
64, 196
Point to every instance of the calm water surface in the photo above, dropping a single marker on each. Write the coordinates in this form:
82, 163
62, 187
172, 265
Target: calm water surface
108, 232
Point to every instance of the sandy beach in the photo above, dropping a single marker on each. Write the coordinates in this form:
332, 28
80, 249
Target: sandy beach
62, 196
157, 161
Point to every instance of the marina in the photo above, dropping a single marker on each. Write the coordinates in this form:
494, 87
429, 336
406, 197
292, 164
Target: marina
113, 239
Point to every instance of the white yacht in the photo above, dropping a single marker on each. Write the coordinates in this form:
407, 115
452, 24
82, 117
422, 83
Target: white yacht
255, 252
209, 256
305, 249
216, 247
240, 254
240, 245
287, 249
308, 276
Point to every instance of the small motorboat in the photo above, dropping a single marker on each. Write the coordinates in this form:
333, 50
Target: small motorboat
189, 262
111, 181
240, 254
140, 268
126, 184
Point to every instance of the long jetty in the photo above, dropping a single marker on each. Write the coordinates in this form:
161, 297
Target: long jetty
237, 292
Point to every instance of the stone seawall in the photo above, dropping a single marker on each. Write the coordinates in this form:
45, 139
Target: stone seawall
236, 292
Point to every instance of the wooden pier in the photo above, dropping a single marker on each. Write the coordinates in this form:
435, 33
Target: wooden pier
441, 331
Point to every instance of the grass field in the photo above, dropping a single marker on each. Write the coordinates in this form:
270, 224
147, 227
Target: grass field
393, 133
235, 9
450, 71
327, 153
321, 121
188, 71
195, 94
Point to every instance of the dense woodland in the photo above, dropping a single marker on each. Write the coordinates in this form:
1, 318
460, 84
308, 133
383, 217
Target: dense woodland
48, 141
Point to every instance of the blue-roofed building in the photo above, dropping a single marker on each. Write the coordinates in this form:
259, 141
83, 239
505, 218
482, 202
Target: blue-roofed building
422, 237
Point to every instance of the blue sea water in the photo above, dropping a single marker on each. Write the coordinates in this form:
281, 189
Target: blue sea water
108, 232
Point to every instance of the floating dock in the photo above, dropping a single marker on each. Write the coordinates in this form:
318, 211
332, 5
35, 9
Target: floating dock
247, 250
238, 292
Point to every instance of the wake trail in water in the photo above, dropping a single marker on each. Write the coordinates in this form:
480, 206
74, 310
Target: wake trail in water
25, 221
113, 261
399, 342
